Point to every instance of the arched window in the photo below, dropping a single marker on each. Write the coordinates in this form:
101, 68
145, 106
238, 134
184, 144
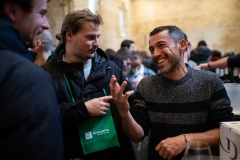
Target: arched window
93, 5
122, 20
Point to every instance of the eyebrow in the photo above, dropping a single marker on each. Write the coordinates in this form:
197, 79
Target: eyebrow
159, 42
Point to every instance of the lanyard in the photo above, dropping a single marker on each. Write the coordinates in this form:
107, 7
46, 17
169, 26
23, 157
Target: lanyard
70, 91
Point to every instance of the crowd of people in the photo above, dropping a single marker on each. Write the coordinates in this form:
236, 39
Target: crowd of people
158, 103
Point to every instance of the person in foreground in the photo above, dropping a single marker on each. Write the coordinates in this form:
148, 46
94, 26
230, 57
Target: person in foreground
30, 122
179, 105
82, 72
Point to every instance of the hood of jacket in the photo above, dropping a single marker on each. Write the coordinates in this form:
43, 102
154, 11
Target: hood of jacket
11, 40
100, 58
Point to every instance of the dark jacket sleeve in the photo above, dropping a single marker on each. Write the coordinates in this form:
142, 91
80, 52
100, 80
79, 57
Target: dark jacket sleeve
234, 61
76, 111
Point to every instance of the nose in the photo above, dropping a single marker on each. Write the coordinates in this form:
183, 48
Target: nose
45, 24
96, 42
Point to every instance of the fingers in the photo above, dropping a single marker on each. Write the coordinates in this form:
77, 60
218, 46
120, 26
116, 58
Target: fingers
112, 85
106, 98
128, 94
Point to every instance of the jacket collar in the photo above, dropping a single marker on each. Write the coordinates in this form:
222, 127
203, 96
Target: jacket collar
11, 40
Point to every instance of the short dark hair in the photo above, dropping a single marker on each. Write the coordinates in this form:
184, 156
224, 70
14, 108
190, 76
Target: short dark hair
26, 5
201, 43
110, 51
126, 43
216, 53
186, 38
123, 54
75, 20
173, 31
135, 56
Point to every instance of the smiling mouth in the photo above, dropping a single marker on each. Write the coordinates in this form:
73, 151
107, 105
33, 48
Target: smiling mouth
161, 60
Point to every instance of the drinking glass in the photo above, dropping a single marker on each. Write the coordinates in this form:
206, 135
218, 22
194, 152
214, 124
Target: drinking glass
197, 151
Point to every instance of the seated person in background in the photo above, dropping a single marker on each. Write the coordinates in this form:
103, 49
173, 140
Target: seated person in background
137, 70
128, 44
147, 61
124, 54
180, 105
203, 54
215, 55
44, 47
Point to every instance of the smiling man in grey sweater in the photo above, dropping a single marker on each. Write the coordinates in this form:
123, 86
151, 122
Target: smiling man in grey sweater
179, 105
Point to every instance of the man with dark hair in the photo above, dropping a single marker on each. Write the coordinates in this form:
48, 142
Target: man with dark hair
30, 124
180, 105
82, 72
125, 55
128, 44
202, 43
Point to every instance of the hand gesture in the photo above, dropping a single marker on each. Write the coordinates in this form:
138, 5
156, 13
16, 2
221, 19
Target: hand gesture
171, 147
119, 98
98, 106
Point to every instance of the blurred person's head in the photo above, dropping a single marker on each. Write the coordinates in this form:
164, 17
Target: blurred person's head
202, 43
27, 16
110, 51
136, 62
44, 47
128, 44
125, 55
203, 53
44, 42
215, 55
80, 34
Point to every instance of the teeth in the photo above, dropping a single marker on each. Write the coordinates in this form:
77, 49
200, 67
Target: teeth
160, 61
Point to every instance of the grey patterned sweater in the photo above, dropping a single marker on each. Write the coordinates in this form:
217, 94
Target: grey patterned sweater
195, 103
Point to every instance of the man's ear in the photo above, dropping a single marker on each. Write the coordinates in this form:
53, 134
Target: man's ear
183, 46
10, 11
69, 35
39, 43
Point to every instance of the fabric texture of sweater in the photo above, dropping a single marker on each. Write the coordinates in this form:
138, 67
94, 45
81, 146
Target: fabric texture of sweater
195, 103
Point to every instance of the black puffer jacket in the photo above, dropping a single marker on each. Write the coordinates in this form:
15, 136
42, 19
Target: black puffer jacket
30, 122
76, 112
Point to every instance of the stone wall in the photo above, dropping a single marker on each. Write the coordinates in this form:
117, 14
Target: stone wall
215, 21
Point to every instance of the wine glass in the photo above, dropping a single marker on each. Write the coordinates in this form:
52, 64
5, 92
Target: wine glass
197, 151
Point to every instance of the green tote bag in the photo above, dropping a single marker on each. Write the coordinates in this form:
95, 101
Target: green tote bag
98, 133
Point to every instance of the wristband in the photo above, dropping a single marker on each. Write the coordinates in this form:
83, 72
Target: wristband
186, 140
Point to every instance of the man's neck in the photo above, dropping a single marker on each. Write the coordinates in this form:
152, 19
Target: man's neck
178, 72
41, 58
74, 59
